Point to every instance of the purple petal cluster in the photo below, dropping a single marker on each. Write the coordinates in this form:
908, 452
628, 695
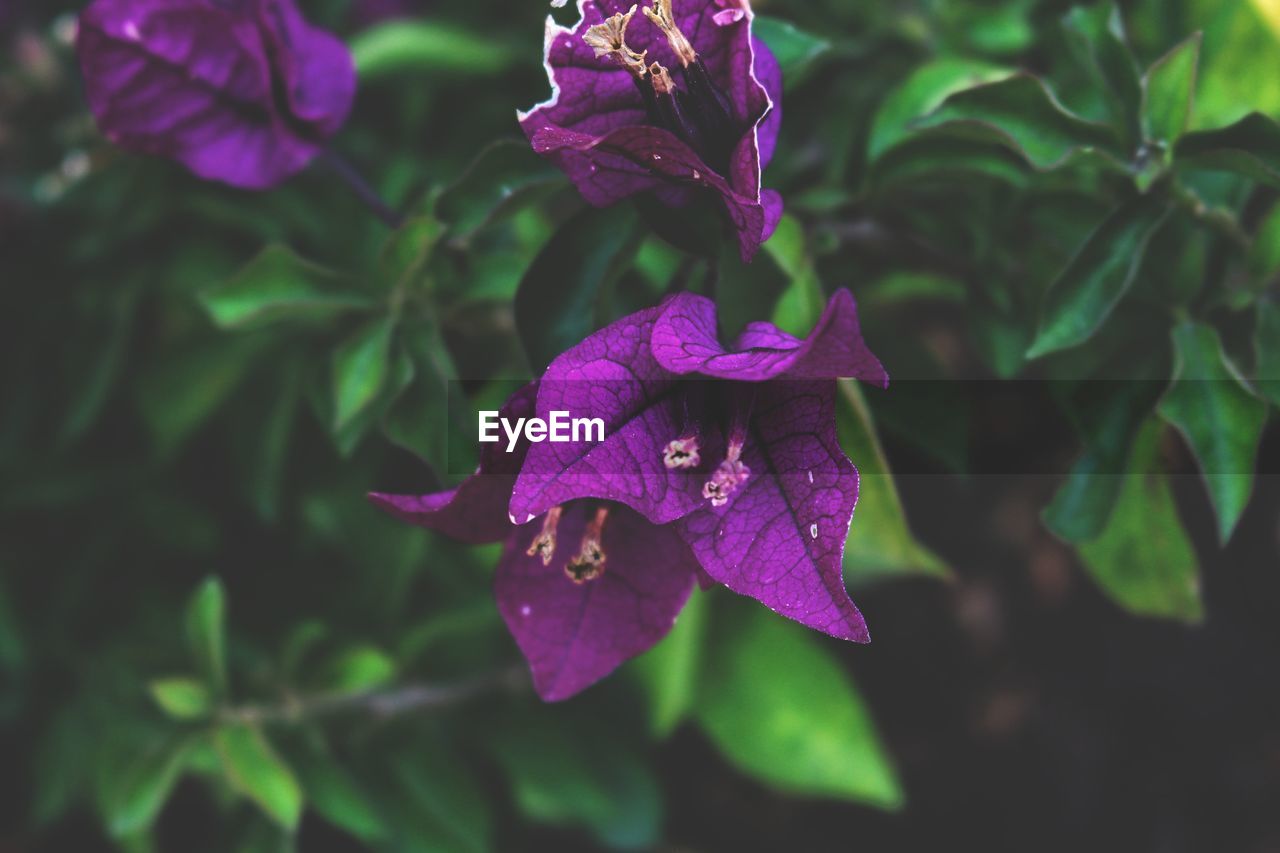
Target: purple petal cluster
240, 91
719, 464
678, 101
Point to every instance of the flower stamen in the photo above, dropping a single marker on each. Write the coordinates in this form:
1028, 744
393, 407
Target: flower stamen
610, 39
662, 17
589, 564
682, 454
728, 477
544, 544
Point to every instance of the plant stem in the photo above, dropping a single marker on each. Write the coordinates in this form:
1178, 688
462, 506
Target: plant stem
380, 704
361, 189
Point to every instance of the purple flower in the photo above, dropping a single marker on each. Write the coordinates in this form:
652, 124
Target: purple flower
680, 101
582, 587
240, 91
735, 447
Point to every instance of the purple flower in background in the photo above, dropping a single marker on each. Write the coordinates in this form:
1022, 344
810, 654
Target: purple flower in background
240, 91
680, 101
734, 447
582, 587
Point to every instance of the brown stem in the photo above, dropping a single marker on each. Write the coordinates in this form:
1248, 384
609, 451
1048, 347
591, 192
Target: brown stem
380, 704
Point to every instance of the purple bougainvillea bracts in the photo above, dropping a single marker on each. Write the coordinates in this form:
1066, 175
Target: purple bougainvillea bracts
582, 587
736, 447
240, 91
677, 101
719, 465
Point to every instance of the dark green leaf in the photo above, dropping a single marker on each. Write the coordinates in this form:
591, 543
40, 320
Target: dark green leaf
438, 804
1143, 560
1250, 147
407, 251
880, 543
1098, 37
1168, 92
781, 709
420, 419
922, 93
254, 769
795, 49
361, 367
424, 47
278, 285
672, 671
182, 698
1219, 417
339, 797
1267, 344
1021, 113
1100, 274
502, 174
567, 771
1108, 414
141, 788
206, 633
180, 393
555, 306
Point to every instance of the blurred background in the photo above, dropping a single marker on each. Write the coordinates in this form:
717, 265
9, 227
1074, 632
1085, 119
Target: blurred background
209, 641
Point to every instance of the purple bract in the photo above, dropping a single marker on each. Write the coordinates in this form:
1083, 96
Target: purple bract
240, 91
718, 464
677, 101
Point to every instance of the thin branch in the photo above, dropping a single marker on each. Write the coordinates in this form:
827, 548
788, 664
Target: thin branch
380, 704
361, 189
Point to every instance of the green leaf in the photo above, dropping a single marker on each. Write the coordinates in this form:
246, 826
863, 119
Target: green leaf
407, 251
182, 698
206, 633
1021, 113
139, 792
1220, 418
555, 305
922, 93
338, 797
1267, 344
253, 769
803, 301
781, 709
1097, 35
358, 670
420, 420
1143, 559
402, 372
567, 770
1108, 415
426, 47
502, 175
1250, 147
1240, 70
179, 393
795, 49
438, 804
361, 366
1168, 92
278, 285
880, 542
1097, 278
672, 670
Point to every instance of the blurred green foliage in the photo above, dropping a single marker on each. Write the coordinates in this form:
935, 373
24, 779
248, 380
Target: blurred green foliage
202, 384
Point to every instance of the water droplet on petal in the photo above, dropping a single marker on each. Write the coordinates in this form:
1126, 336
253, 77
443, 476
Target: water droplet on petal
657, 156
813, 530
131, 31
525, 610
810, 476
697, 176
